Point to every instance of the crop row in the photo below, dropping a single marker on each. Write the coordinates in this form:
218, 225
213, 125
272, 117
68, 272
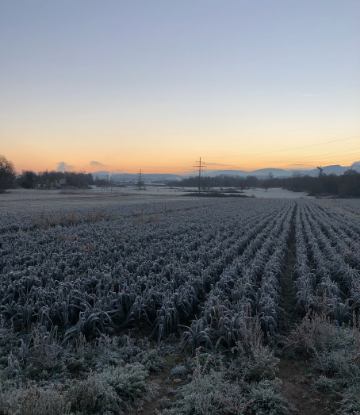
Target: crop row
204, 265
327, 261
89, 277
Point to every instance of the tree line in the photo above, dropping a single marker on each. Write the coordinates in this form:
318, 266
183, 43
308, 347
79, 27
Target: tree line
344, 185
29, 179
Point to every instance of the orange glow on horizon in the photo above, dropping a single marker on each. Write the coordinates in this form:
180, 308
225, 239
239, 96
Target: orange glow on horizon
166, 149
183, 164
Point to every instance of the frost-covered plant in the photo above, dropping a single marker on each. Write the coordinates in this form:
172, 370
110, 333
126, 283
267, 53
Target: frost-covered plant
260, 363
335, 356
119, 350
197, 335
317, 333
92, 395
209, 394
34, 401
253, 360
350, 405
129, 382
107, 351
164, 402
8, 339
338, 363
152, 360
180, 371
114, 389
13, 369
183, 370
45, 349
221, 390
323, 383
266, 398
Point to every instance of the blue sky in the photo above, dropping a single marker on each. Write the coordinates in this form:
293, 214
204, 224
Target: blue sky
162, 82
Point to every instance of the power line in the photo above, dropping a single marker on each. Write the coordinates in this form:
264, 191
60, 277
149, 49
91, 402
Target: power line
320, 157
334, 152
290, 164
306, 157
315, 157
288, 149
312, 164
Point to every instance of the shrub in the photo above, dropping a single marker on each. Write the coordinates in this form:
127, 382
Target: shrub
94, 396
266, 398
351, 401
34, 401
115, 389
152, 361
254, 363
334, 352
209, 394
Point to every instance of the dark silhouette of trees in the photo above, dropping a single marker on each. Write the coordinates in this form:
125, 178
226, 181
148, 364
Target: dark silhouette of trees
100, 182
345, 185
349, 184
29, 179
7, 174
79, 179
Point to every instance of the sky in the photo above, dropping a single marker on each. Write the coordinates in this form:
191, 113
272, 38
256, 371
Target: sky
126, 85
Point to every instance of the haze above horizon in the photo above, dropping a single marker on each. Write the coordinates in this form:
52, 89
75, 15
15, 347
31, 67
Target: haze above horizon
119, 86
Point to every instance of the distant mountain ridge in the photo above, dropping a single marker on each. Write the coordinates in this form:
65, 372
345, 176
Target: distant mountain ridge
260, 173
334, 169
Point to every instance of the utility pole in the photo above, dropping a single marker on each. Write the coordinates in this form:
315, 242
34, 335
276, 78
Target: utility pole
140, 182
200, 166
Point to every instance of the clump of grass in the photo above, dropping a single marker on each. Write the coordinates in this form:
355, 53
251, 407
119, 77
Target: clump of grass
209, 394
265, 398
110, 391
244, 384
253, 360
334, 357
34, 401
214, 391
115, 389
117, 350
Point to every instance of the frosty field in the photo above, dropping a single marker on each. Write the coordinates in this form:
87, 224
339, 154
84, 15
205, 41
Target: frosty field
111, 303
21, 200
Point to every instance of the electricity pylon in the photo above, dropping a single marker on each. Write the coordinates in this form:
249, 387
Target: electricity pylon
140, 183
200, 166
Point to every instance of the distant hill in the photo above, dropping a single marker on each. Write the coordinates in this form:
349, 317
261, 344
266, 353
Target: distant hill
335, 169
266, 172
260, 173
